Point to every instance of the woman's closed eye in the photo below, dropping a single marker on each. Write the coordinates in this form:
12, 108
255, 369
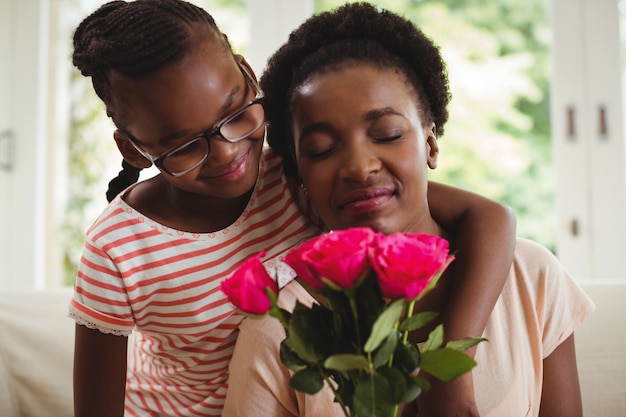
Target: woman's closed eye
387, 138
317, 146
388, 128
317, 153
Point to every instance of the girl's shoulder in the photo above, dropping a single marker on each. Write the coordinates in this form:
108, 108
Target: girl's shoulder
119, 217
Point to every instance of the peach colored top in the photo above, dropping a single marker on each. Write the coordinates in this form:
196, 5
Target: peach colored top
539, 307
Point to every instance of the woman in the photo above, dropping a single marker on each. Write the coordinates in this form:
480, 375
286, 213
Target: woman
356, 99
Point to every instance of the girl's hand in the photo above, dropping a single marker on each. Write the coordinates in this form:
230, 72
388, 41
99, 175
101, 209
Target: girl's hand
446, 399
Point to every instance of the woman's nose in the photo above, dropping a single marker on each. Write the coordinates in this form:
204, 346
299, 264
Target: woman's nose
358, 163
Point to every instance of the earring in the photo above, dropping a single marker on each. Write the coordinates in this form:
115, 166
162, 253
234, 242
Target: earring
304, 190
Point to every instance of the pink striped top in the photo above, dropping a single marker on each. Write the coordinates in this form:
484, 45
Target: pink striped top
138, 275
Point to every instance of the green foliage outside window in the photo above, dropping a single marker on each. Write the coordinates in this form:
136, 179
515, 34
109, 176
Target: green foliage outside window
497, 140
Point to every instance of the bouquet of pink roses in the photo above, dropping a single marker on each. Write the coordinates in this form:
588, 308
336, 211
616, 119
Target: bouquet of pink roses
357, 340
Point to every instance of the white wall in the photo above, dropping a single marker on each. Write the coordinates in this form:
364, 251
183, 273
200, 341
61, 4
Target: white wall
588, 137
271, 23
23, 89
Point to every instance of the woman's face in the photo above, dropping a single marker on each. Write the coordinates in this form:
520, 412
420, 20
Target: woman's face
361, 149
182, 101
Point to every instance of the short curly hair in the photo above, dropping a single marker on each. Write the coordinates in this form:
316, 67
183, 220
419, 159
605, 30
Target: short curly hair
357, 32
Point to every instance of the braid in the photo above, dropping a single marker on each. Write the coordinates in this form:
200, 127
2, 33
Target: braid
135, 38
125, 178
356, 32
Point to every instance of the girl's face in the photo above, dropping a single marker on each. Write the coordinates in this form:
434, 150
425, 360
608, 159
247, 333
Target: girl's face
361, 149
182, 101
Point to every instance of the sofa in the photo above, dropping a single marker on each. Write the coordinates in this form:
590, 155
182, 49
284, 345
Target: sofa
36, 348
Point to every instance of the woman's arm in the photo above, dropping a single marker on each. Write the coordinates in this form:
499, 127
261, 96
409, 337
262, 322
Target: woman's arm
99, 373
560, 395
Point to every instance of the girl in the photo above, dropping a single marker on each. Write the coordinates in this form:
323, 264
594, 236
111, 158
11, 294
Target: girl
154, 259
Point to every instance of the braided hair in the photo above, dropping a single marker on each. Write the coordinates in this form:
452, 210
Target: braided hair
357, 32
135, 38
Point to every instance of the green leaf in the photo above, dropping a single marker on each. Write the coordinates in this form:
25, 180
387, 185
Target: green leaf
465, 343
372, 397
435, 339
370, 304
290, 359
446, 364
384, 324
382, 355
342, 324
417, 321
406, 357
308, 380
346, 362
345, 391
412, 389
308, 332
422, 382
397, 382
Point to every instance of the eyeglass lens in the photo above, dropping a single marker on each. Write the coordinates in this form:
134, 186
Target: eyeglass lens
243, 123
240, 125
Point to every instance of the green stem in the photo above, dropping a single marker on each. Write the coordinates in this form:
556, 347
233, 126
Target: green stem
355, 314
390, 363
277, 313
409, 313
346, 411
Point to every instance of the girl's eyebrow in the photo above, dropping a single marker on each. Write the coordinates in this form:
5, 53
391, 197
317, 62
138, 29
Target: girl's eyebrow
230, 99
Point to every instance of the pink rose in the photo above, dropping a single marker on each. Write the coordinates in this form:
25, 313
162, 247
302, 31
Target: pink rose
340, 257
406, 263
246, 288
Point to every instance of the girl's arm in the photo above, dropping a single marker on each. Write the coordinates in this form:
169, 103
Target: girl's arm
99, 373
485, 236
484, 233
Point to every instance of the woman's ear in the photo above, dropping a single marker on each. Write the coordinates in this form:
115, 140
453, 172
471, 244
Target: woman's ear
432, 147
129, 152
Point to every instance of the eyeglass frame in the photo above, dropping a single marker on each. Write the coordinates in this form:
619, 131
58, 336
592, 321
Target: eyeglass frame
216, 131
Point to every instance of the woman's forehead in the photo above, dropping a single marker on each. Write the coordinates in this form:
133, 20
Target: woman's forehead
360, 82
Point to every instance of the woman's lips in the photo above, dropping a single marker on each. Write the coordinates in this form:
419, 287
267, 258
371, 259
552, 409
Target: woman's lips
364, 201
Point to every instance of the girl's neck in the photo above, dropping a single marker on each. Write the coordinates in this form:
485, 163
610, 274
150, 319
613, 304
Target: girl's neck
185, 211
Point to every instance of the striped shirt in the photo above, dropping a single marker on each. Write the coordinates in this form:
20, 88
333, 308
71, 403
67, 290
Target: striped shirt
164, 284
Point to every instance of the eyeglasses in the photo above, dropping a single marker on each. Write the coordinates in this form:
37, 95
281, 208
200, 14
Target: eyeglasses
233, 128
